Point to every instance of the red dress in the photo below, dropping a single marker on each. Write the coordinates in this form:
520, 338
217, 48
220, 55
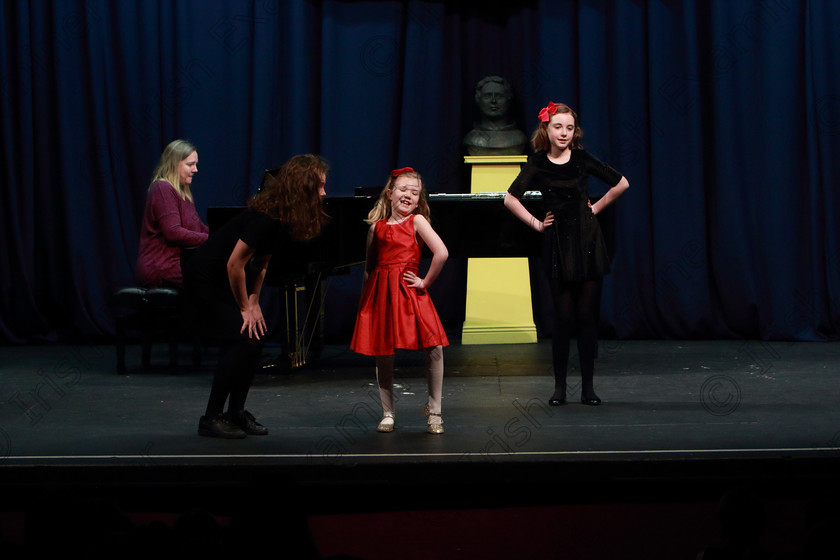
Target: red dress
392, 315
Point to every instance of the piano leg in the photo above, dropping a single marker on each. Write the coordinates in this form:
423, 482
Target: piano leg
303, 319
295, 295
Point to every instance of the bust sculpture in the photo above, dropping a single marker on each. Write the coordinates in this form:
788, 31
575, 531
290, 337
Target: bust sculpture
495, 133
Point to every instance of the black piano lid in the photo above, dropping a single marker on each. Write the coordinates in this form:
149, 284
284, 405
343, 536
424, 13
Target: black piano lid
470, 224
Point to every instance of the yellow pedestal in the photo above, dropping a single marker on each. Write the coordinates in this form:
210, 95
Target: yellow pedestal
498, 309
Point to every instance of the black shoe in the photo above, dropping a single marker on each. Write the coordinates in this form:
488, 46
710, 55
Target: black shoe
219, 426
591, 401
556, 401
246, 421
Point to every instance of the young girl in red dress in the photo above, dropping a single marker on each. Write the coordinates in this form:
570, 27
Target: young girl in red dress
396, 310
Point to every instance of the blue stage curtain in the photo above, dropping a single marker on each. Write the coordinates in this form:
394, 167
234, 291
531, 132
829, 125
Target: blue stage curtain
724, 116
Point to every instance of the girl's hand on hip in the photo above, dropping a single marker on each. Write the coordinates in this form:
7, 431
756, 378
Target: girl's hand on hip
549, 219
414, 281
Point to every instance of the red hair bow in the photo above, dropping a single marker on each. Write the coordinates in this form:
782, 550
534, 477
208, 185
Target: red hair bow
547, 111
398, 172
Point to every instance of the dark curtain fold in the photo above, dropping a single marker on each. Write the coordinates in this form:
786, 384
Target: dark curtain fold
724, 116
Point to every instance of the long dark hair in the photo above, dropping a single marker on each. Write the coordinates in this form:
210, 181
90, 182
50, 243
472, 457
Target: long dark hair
292, 195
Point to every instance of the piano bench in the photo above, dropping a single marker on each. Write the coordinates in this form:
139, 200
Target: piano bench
152, 312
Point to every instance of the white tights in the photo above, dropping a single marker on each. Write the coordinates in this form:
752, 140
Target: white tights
434, 379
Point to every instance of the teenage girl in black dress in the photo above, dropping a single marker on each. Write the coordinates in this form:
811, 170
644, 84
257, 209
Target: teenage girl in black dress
574, 251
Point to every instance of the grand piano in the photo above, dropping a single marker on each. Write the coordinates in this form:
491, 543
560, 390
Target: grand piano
471, 225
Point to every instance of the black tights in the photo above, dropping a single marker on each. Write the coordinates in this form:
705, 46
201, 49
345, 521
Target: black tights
234, 374
575, 304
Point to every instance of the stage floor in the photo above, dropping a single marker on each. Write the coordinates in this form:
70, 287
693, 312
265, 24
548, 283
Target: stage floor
673, 411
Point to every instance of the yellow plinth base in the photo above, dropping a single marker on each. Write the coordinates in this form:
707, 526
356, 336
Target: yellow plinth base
498, 309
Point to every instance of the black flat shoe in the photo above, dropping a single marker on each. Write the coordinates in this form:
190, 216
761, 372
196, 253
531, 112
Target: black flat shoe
219, 426
555, 401
591, 401
246, 421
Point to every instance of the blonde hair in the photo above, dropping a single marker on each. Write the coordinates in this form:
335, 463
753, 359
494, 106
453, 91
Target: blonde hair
540, 141
382, 209
292, 195
167, 168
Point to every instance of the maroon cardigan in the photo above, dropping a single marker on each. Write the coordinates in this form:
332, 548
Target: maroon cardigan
169, 223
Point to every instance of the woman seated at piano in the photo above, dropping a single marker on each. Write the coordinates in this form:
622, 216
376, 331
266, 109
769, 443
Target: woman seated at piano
224, 276
170, 220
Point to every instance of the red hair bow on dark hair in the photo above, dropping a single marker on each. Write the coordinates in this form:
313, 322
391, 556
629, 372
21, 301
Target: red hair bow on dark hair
398, 172
547, 111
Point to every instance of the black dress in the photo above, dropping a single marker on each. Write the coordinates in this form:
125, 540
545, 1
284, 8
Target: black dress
574, 248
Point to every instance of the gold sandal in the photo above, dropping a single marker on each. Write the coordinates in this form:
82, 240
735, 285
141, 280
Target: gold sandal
384, 426
436, 428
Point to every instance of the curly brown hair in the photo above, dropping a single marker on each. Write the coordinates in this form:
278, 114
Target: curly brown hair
292, 195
